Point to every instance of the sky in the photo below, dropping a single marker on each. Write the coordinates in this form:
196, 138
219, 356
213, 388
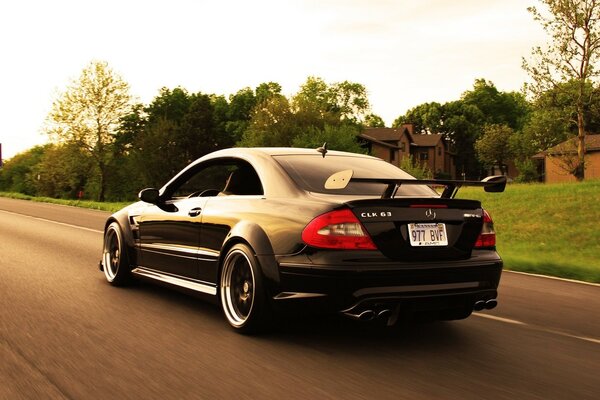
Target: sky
405, 52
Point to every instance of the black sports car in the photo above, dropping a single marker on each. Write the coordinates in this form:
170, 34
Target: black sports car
264, 230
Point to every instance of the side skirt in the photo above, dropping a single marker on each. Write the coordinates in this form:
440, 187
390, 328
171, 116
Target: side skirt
191, 284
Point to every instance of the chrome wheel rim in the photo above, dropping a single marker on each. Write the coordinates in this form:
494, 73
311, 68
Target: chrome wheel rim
237, 287
112, 253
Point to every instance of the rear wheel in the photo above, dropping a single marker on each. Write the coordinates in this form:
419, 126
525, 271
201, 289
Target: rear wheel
114, 256
241, 289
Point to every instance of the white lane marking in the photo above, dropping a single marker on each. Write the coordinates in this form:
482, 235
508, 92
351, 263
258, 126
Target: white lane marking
538, 328
495, 318
552, 277
53, 222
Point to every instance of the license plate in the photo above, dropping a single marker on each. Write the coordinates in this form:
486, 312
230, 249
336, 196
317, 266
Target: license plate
427, 234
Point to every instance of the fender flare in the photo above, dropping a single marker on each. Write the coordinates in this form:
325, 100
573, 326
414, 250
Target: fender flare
253, 235
123, 221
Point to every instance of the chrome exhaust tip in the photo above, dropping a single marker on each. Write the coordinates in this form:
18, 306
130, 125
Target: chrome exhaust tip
479, 305
366, 315
492, 303
385, 313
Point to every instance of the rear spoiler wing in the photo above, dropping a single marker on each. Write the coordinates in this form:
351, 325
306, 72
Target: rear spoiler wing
492, 184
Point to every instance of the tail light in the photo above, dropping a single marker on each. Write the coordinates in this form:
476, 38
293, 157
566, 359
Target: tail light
338, 229
487, 237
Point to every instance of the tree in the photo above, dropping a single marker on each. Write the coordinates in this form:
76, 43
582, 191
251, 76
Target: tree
350, 101
63, 171
508, 108
494, 148
18, 175
89, 114
341, 138
313, 105
272, 124
571, 55
374, 121
462, 121
319, 104
239, 111
426, 118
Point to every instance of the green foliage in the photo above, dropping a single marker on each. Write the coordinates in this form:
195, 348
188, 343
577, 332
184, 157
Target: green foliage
426, 118
527, 171
316, 114
567, 65
272, 124
419, 170
94, 205
18, 173
89, 113
506, 108
463, 121
554, 117
342, 138
319, 104
374, 121
63, 171
493, 148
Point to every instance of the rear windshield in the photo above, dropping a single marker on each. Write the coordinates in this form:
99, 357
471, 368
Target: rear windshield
310, 173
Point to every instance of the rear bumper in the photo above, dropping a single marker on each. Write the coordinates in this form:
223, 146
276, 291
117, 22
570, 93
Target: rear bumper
349, 287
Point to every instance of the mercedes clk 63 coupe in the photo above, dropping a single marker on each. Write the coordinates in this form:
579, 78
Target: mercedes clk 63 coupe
266, 231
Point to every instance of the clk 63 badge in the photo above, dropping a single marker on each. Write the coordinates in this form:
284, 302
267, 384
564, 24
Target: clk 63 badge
382, 214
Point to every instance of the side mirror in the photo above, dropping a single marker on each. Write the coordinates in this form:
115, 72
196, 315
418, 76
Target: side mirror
149, 195
496, 184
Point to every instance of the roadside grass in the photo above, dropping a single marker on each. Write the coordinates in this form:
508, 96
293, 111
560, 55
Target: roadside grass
549, 229
95, 205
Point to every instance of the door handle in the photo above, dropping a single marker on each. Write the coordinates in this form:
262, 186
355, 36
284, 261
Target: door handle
194, 212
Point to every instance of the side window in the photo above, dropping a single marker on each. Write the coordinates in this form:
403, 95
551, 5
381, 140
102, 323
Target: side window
243, 181
210, 178
224, 177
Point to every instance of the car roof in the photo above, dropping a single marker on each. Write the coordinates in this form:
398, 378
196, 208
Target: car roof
281, 151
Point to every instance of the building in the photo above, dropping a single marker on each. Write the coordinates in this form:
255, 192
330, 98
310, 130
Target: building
393, 144
554, 161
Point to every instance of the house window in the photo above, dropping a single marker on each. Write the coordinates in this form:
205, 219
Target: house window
423, 156
392, 155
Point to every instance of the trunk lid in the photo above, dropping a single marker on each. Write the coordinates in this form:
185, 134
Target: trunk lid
451, 225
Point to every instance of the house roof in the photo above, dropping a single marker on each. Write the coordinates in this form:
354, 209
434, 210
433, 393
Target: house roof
592, 143
426, 140
373, 140
384, 134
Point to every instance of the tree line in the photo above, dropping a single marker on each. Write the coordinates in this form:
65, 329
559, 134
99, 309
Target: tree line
112, 156
108, 147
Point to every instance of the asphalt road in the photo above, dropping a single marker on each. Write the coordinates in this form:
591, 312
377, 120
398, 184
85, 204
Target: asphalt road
66, 334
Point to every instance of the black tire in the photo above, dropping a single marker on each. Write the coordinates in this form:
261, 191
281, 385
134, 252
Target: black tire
114, 257
242, 293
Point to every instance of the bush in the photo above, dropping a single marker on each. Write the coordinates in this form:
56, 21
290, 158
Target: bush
419, 171
527, 171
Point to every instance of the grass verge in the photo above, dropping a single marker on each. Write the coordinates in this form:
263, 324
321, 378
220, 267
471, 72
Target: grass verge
549, 229
95, 205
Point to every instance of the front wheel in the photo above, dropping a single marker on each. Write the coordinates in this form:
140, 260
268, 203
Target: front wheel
114, 256
242, 293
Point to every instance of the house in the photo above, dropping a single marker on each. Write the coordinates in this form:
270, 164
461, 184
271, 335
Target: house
554, 161
393, 144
